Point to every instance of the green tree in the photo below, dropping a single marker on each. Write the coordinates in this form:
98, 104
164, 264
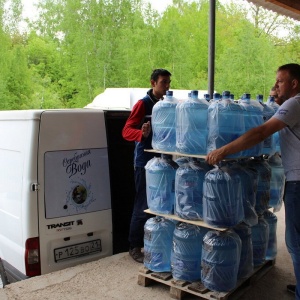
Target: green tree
4, 67
18, 81
247, 61
76, 49
12, 16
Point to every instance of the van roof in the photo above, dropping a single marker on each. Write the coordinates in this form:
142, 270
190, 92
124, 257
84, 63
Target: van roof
30, 114
125, 98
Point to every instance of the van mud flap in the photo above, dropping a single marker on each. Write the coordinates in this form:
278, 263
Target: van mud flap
3, 274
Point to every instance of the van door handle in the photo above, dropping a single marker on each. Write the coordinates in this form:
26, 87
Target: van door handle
35, 187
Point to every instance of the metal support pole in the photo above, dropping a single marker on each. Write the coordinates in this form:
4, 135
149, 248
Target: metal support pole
211, 47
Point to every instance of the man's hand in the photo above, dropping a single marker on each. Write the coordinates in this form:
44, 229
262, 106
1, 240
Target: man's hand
215, 156
146, 129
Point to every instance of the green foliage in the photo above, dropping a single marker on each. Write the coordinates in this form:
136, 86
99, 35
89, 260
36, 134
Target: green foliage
247, 64
76, 49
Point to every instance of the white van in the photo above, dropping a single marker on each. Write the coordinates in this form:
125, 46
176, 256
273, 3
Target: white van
55, 189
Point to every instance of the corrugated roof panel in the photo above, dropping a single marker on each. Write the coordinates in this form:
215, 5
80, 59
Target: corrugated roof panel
289, 8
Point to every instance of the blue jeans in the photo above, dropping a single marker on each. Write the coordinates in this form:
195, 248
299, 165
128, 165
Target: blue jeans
292, 229
139, 217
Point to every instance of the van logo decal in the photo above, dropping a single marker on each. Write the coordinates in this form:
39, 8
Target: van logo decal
60, 225
64, 225
80, 196
75, 164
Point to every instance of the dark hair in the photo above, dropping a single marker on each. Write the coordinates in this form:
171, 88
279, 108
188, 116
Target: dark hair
159, 72
293, 69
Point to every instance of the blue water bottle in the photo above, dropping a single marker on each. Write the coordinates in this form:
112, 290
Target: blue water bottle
246, 261
158, 237
277, 142
189, 191
271, 102
249, 187
191, 125
207, 167
160, 184
253, 173
260, 238
253, 117
269, 147
272, 241
264, 183
186, 252
225, 123
222, 197
277, 181
164, 124
182, 160
221, 253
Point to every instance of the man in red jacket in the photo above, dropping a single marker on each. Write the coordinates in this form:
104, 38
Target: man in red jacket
138, 129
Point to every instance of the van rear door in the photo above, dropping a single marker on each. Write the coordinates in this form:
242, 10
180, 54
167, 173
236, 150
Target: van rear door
75, 223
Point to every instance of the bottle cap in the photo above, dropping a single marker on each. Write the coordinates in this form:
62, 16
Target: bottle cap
207, 97
226, 94
246, 96
271, 99
217, 96
260, 98
194, 93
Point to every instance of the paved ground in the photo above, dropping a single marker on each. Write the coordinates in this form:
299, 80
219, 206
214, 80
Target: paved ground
115, 277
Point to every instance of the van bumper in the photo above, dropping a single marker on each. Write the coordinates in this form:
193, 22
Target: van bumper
13, 275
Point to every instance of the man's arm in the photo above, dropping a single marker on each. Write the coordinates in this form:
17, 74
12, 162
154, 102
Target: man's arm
131, 130
247, 140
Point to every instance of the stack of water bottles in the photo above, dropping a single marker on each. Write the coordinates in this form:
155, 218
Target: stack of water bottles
235, 195
197, 126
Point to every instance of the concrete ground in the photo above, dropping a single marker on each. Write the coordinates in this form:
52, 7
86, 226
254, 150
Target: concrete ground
115, 277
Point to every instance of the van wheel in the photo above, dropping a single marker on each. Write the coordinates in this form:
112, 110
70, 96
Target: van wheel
3, 274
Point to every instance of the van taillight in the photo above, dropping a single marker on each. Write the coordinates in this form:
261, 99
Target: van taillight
32, 257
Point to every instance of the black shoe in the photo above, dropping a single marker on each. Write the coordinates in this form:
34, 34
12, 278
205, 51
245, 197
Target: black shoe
137, 254
291, 288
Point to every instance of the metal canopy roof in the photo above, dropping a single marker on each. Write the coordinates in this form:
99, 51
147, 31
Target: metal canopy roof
289, 8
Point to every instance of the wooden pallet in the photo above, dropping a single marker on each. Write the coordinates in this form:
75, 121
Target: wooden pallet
179, 288
176, 218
